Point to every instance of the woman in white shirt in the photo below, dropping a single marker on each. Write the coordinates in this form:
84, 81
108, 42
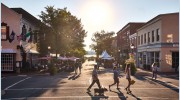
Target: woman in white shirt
128, 77
154, 70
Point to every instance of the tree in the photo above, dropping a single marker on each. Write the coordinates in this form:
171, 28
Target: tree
102, 41
65, 32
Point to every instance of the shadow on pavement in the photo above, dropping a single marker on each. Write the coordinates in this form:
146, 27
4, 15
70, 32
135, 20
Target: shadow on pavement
97, 97
165, 84
141, 78
74, 77
35, 86
134, 96
120, 95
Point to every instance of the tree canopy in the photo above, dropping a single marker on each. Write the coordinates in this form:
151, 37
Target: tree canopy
62, 31
102, 41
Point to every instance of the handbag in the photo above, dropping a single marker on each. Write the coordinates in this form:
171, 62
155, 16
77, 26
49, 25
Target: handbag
132, 82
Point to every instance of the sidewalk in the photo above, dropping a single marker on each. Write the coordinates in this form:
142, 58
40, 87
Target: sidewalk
162, 74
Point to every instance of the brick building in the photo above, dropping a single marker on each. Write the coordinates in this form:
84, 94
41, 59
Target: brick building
123, 41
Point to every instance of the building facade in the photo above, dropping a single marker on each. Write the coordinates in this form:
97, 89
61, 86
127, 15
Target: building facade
123, 41
29, 23
158, 41
15, 22
10, 28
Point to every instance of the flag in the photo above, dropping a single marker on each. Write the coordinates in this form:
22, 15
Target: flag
11, 37
19, 38
28, 35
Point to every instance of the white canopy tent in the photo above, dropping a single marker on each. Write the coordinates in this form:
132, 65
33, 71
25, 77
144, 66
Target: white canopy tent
105, 55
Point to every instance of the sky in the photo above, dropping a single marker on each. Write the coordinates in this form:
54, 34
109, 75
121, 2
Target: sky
97, 15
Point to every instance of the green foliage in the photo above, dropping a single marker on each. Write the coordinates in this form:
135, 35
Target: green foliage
133, 69
63, 32
102, 41
52, 69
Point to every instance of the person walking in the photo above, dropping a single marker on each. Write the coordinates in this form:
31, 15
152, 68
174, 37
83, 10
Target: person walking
80, 66
75, 67
95, 78
154, 70
128, 77
116, 78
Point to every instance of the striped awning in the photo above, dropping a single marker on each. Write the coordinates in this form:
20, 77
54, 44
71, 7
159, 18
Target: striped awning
8, 51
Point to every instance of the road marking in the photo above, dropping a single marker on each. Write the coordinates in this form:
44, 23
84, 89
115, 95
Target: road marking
162, 81
64, 88
16, 83
60, 97
22, 75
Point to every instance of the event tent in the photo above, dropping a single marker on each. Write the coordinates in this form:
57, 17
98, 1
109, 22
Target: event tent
105, 55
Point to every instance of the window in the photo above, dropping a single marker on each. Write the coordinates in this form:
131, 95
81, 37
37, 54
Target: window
148, 37
7, 62
175, 59
140, 58
145, 38
4, 31
157, 34
141, 39
153, 36
157, 58
138, 40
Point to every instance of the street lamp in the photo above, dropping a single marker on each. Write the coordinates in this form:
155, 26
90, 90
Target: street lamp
49, 50
132, 47
118, 57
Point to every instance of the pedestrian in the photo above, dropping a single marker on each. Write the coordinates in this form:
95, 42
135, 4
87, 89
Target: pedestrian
98, 63
80, 66
128, 77
95, 79
154, 70
75, 67
116, 78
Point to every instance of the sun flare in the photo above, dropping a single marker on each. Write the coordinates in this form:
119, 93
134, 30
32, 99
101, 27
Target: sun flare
97, 13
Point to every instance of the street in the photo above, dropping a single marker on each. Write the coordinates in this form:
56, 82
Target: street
66, 86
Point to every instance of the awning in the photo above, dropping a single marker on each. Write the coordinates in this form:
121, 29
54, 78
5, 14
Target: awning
34, 52
8, 51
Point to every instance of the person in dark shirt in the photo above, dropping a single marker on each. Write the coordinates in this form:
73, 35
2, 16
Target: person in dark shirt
116, 78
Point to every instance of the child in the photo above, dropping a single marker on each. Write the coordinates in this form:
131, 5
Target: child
116, 78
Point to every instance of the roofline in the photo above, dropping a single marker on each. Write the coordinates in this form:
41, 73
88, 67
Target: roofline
129, 24
11, 10
156, 17
21, 10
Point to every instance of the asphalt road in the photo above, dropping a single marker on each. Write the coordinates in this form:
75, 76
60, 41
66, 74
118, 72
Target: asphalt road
66, 86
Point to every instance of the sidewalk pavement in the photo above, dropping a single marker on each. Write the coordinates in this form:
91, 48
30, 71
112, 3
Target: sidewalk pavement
162, 74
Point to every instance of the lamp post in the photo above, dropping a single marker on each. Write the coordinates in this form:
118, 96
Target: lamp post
132, 47
49, 50
119, 51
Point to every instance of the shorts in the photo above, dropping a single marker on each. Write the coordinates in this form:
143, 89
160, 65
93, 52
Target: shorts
116, 80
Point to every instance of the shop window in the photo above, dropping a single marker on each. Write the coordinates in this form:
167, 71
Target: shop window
7, 62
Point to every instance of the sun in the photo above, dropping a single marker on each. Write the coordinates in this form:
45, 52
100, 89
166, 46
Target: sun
97, 13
